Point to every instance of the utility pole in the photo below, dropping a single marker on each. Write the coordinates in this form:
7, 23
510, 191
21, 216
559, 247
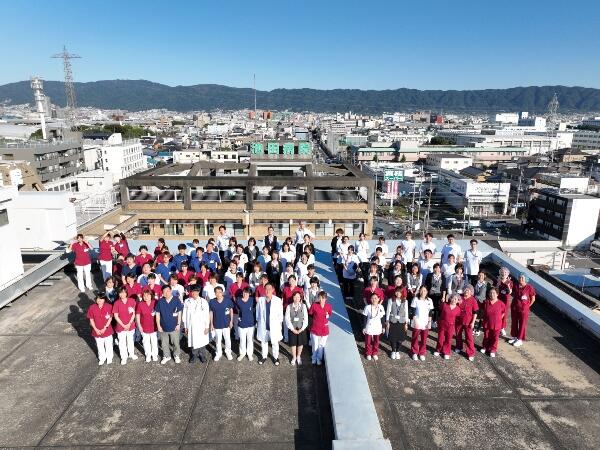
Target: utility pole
69, 86
551, 122
412, 208
419, 203
428, 204
518, 192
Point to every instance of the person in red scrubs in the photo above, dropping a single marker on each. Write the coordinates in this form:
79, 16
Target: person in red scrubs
504, 285
466, 322
320, 311
124, 314
493, 315
105, 255
100, 317
523, 299
83, 262
449, 312
146, 322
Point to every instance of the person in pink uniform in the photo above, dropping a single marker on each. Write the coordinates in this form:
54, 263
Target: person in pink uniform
422, 310
146, 322
105, 255
523, 299
124, 314
466, 322
448, 315
83, 262
504, 285
320, 311
100, 317
493, 314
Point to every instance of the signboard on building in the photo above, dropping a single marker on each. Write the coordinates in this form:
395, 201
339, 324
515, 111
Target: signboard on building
393, 175
304, 148
273, 148
392, 189
256, 148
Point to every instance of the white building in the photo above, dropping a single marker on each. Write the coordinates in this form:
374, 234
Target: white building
191, 156
476, 199
12, 264
122, 158
95, 181
506, 118
586, 140
448, 161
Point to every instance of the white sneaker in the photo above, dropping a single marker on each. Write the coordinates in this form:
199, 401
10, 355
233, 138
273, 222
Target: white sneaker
319, 362
124, 361
512, 341
155, 358
217, 357
314, 361
239, 358
492, 355
134, 357
148, 359
457, 351
100, 363
518, 343
250, 358
415, 357
108, 363
446, 356
293, 362
165, 360
482, 350
177, 360
229, 356
471, 358
369, 358
503, 332
436, 353
299, 361
422, 357
434, 325
375, 357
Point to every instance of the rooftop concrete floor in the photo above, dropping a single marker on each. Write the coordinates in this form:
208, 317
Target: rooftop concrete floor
53, 393
543, 395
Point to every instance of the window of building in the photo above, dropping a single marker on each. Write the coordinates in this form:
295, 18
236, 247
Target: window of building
323, 229
173, 229
201, 229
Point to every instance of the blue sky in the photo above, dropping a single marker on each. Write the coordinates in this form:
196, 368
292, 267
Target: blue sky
434, 44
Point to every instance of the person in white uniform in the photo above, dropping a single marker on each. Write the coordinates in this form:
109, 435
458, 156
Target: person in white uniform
269, 319
196, 324
471, 262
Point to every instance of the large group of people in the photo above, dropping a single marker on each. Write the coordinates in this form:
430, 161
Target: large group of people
407, 291
196, 294
225, 290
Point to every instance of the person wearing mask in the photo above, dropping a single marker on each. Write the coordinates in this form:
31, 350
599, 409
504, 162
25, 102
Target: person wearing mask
466, 322
504, 286
481, 289
124, 314
296, 321
270, 240
196, 324
523, 300
100, 316
447, 319
422, 309
493, 313
372, 328
414, 281
350, 266
436, 286
106, 251
144, 318
246, 322
396, 320
451, 248
83, 262
221, 322
269, 320
471, 261
168, 323
320, 311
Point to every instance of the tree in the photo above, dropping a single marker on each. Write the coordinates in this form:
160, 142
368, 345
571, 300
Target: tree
439, 140
37, 134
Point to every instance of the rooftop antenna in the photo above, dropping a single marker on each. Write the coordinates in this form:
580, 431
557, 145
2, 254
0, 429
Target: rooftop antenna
69, 87
551, 120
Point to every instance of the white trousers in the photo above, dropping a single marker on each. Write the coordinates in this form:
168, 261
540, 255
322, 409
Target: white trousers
126, 344
87, 270
105, 349
106, 267
150, 343
318, 346
265, 346
246, 341
222, 334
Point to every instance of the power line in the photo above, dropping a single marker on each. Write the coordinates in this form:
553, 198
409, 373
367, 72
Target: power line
69, 87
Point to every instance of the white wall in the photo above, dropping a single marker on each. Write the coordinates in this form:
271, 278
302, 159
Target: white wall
11, 265
583, 222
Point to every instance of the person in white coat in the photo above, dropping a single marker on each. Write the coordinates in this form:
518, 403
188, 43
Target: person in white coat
269, 319
296, 320
196, 324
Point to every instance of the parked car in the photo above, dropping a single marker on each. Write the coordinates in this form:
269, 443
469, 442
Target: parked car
477, 232
378, 231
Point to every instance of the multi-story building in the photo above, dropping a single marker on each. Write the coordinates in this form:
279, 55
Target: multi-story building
120, 157
586, 140
448, 161
591, 121
569, 218
12, 264
193, 200
52, 161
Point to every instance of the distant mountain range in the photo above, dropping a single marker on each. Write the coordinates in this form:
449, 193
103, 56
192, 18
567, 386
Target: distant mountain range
136, 95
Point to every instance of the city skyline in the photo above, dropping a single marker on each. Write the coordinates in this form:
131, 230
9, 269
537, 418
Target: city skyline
337, 45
